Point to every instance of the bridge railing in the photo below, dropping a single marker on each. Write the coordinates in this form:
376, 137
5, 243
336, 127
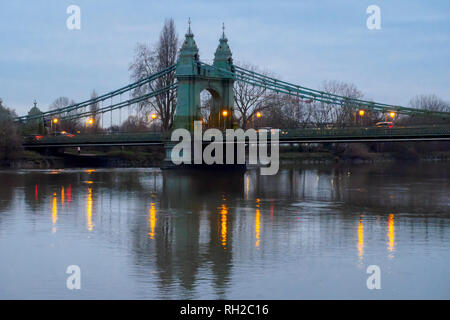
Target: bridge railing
96, 138
364, 132
285, 134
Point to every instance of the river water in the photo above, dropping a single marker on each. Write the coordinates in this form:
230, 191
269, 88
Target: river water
309, 232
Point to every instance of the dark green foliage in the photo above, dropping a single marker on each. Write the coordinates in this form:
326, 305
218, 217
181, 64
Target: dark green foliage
10, 136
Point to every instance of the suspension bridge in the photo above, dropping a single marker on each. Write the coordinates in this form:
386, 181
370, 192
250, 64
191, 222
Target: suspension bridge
186, 79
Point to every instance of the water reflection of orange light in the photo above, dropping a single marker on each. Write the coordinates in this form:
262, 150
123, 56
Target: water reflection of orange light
391, 233
223, 224
152, 220
257, 226
62, 195
89, 210
360, 239
54, 212
247, 187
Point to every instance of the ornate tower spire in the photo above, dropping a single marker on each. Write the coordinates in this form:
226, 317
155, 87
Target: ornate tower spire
188, 54
189, 47
223, 56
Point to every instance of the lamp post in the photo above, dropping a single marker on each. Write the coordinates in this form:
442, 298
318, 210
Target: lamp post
361, 113
54, 122
392, 114
152, 117
90, 122
258, 116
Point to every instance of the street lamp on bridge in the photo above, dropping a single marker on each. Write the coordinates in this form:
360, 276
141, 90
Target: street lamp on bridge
54, 122
152, 117
361, 113
224, 114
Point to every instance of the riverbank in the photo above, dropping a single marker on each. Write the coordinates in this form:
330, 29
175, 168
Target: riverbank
141, 159
331, 157
112, 159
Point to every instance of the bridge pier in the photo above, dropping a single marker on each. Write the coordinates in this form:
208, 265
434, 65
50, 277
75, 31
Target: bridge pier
169, 165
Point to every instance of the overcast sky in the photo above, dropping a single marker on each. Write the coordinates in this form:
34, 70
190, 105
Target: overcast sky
304, 42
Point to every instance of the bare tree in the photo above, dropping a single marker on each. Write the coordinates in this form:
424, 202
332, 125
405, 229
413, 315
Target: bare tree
149, 60
60, 103
65, 125
249, 99
93, 122
134, 124
206, 106
322, 114
427, 102
295, 110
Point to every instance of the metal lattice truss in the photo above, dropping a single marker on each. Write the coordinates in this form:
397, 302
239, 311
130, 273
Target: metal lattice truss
239, 74
279, 86
73, 111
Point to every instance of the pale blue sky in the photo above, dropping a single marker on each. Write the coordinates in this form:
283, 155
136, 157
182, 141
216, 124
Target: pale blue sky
304, 42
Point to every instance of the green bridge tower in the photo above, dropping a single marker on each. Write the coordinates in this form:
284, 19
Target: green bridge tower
194, 77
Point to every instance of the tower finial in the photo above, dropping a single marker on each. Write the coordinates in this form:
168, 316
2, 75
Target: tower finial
35, 102
189, 22
223, 30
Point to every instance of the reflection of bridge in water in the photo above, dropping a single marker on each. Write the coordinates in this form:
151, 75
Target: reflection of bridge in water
183, 226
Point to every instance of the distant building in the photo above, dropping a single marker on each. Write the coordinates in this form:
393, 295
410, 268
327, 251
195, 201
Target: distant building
35, 126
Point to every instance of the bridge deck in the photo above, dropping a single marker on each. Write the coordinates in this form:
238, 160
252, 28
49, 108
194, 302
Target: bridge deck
364, 134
